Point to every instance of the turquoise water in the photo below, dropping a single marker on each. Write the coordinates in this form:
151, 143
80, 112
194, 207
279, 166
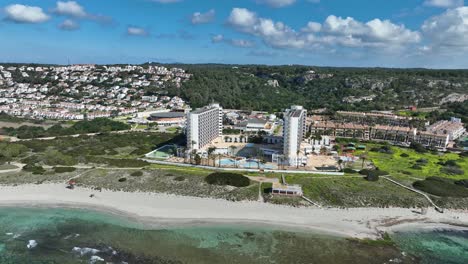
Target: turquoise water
249, 164
438, 246
79, 236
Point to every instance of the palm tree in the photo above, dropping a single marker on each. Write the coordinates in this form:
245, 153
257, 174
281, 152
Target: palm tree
211, 150
363, 156
192, 154
297, 158
340, 162
193, 142
233, 149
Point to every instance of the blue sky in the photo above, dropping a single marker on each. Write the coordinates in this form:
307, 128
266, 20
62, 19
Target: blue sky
386, 33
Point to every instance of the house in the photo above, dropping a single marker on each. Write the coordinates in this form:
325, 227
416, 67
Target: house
286, 189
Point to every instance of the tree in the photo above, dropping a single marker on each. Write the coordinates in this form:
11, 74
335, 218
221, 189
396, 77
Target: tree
297, 158
210, 151
363, 157
340, 163
233, 149
197, 159
323, 150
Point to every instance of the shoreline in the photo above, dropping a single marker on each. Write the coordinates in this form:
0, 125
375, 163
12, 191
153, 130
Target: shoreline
154, 210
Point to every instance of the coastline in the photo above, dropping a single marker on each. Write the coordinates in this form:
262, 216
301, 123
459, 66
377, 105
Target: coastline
154, 210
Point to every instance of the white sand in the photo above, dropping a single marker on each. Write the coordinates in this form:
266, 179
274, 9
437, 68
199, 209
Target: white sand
150, 207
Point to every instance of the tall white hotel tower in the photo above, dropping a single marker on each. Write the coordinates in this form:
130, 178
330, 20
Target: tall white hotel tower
203, 126
293, 133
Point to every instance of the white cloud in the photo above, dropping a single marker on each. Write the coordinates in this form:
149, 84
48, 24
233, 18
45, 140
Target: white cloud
444, 3
70, 8
346, 32
69, 25
233, 42
25, 14
217, 38
137, 31
203, 18
277, 3
450, 29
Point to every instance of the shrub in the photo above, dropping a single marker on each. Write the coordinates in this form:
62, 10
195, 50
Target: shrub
463, 183
422, 161
441, 187
418, 147
452, 163
404, 155
226, 178
34, 169
136, 174
452, 170
179, 178
416, 167
349, 170
64, 169
372, 175
122, 179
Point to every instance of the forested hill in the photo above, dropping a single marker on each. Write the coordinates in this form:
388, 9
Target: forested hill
272, 88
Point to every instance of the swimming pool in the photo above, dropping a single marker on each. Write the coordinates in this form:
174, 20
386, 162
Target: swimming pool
247, 164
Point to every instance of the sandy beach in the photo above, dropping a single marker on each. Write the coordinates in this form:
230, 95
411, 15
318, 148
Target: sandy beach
166, 209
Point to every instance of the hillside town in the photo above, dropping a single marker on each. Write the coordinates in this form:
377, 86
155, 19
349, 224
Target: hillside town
78, 91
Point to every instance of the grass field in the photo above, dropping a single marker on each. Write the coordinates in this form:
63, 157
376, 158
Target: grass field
402, 167
348, 191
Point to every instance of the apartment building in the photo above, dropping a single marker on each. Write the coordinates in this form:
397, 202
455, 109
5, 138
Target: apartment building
294, 131
453, 128
203, 126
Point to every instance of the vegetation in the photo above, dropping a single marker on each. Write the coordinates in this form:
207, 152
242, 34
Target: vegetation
64, 169
98, 125
226, 178
138, 173
403, 162
441, 187
245, 87
35, 169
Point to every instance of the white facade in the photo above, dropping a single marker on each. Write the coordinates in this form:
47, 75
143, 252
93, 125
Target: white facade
203, 126
294, 132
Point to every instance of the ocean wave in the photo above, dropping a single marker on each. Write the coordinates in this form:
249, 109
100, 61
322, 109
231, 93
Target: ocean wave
85, 251
31, 244
95, 259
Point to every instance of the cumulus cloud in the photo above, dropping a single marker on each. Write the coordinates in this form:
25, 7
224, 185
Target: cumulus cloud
444, 3
25, 14
73, 9
203, 18
137, 31
277, 3
242, 43
69, 25
70, 8
450, 29
334, 31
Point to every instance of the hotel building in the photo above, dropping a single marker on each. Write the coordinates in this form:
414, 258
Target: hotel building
203, 126
294, 132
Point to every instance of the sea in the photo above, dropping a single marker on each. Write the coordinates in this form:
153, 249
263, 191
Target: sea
60, 235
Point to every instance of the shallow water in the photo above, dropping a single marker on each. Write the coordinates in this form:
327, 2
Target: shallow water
79, 236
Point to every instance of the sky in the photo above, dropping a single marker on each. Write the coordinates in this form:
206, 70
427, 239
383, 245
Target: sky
350, 33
